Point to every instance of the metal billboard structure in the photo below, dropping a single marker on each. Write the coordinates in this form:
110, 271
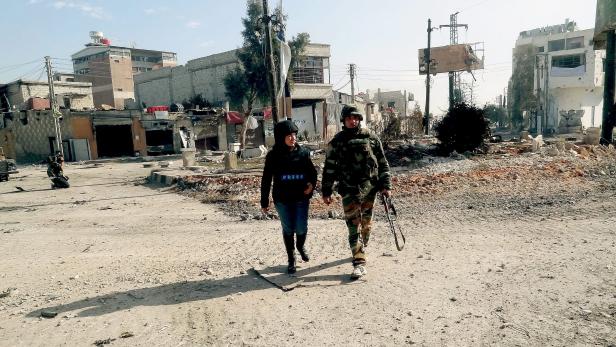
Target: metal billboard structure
452, 58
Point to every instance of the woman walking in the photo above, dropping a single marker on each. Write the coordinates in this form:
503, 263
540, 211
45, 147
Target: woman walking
294, 176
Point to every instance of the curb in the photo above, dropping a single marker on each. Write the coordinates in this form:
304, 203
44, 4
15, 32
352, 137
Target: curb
163, 178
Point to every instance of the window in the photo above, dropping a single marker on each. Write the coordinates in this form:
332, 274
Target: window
556, 45
575, 42
391, 104
569, 61
308, 70
540, 49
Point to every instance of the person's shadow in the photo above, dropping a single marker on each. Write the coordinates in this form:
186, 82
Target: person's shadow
170, 294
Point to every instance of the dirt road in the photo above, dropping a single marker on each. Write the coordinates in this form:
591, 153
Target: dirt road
526, 258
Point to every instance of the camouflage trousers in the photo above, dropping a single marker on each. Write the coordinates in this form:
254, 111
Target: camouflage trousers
358, 217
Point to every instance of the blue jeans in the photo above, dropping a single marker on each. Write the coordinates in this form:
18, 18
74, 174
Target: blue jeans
293, 216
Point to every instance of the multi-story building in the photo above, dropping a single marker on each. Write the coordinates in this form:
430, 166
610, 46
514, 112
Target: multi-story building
568, 77
110, 69
205, 76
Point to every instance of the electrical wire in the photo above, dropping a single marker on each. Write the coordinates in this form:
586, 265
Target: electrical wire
12, 67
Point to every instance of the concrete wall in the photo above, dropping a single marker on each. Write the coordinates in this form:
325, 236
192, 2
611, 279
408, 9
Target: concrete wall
317, 50
82, 129
565, 99
80, 94
199, 76
122, 80
139, 144
205, 76
31, 140
100, 77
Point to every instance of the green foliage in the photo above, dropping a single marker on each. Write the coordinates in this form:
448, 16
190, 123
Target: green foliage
464, 128
416, 121
196, 100
248, 82
521, 96
392, 128
496, 115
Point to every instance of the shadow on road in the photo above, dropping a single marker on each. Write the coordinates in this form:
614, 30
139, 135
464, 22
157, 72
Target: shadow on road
181, 292
15, 208
73, 186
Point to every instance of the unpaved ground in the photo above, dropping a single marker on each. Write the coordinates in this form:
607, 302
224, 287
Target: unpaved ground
514, 251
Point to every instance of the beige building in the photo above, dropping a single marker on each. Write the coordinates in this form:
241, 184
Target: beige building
23, 94
205, 76
110, 69
568, 77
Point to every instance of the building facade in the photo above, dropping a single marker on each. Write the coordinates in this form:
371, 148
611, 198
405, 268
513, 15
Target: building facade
205, 76
29, 136
110, 69
27, 95
568, 78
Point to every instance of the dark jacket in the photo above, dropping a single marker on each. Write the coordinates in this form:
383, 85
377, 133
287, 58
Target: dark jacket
291, 172
54, 169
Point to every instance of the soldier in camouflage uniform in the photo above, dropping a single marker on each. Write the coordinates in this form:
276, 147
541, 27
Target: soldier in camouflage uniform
355, 159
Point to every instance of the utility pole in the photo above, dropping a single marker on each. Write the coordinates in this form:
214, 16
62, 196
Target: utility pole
352, 75
454, 77
609, 120
427, 61
269, 61
55, 113
538, 103
546, 91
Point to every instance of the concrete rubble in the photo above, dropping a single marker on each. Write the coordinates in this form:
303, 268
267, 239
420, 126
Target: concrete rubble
419, 173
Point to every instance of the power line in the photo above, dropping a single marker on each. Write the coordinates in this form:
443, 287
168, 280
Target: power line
10, 67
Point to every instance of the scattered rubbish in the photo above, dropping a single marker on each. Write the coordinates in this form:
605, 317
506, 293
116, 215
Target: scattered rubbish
103, 342
536, 142
20, 189
6, 293
48, 314
280, 280
496, 139
126, 334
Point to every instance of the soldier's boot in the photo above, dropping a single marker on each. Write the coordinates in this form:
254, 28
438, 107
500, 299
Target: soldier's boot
359, 271
290, 247
301, 241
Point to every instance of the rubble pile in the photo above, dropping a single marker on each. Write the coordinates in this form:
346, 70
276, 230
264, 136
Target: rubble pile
506, 168
406, 154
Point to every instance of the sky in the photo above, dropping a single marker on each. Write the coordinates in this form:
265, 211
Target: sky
381, 37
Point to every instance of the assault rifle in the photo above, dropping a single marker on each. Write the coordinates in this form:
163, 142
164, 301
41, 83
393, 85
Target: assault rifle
392, 218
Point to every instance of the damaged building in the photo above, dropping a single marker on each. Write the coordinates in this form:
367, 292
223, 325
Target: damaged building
204, 76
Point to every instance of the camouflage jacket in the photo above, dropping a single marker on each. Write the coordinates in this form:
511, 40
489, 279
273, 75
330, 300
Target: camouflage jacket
355, 159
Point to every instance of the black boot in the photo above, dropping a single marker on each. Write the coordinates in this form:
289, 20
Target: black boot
290, 247
301, 240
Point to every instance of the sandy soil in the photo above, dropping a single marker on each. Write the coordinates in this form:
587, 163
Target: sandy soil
500, 251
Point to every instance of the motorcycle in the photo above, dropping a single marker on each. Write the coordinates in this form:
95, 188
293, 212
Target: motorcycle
56, 173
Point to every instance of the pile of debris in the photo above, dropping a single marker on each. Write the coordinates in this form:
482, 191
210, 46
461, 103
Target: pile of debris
417, 174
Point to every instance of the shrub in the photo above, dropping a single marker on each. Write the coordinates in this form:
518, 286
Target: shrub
464, 128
